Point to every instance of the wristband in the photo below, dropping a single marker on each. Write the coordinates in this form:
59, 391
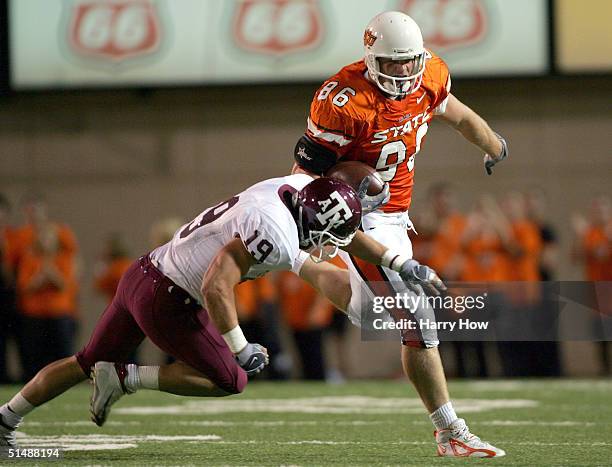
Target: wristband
299, 262
235, 340
393, 260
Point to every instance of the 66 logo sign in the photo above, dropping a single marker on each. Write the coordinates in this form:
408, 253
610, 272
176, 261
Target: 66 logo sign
278, 27
448, 23
113, 30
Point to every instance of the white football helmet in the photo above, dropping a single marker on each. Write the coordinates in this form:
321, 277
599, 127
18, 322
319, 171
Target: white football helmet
394, 35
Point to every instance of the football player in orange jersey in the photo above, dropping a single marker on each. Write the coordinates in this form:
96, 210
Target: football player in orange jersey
377, 111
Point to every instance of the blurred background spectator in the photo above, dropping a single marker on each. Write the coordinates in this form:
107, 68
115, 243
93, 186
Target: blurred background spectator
258, 312
307, 314
593, 248
115, 260
9, 320
547, 353
444, 225
47, 286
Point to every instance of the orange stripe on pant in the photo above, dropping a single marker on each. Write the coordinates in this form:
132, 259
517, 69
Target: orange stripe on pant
377, 281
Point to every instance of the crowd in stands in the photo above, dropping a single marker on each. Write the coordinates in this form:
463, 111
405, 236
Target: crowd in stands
497, 240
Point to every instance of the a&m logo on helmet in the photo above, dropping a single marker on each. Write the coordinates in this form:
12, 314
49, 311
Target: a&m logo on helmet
338, 214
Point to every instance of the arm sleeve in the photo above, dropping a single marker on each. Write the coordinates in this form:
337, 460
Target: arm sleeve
442, 77
333, 126
313, 157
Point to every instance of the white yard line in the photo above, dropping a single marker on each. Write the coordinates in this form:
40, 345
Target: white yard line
322, 405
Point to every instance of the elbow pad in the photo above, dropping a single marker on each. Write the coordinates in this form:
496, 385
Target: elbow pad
313, 157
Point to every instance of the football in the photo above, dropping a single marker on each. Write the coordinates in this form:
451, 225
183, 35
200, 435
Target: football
353, 173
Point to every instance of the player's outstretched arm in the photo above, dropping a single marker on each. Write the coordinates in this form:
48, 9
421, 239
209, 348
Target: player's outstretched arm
417, 276
329, 280
476, 130
223, 274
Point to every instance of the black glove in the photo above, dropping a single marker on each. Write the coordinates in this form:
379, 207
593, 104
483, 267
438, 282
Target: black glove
490, 161
253, 358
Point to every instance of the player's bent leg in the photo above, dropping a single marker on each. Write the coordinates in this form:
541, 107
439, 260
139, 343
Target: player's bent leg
179, 326
111, 381
179, 378
50, 382
53, 380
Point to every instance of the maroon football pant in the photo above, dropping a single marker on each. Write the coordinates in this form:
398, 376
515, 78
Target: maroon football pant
147, 303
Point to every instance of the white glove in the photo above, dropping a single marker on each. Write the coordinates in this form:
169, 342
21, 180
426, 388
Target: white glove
370, 203
420, 278
253, 358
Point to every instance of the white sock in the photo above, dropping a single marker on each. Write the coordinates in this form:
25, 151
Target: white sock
149, 377
14, 411
443, 416
142, 377
19, 405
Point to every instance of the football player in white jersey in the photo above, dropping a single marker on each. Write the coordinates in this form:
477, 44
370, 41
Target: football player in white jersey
181, 296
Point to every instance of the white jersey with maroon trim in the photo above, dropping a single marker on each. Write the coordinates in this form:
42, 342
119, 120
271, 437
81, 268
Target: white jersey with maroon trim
258, 216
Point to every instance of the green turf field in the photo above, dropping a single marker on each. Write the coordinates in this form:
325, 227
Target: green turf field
550, 422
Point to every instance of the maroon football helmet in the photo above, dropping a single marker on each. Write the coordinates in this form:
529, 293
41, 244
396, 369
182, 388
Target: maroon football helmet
328, 215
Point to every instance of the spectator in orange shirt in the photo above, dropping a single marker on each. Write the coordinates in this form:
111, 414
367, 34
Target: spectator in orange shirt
486, 241
537, 327
307, 314
593, 246
593, 243
47, 293
9, 320
525, 250
446, 251
258, 314
115, 261
36, 214
448, 259
547, 353
549, 255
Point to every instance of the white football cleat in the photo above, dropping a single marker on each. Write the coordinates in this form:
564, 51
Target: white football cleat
108, 388
7, 437
457, 441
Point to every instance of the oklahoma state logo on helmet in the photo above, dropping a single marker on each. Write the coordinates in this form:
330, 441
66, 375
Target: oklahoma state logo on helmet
368, 38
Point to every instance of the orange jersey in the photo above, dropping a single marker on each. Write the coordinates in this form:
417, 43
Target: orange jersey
47, 301
525, 267
108, 281
598, 254
446, 255
352, 117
